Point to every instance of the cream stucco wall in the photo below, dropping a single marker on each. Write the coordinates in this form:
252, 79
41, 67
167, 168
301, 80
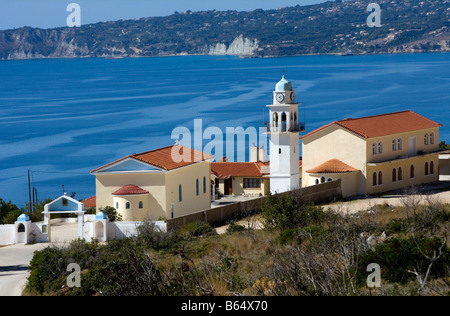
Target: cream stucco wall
186, 177
389, 154
386, 168
334, 142
154, 183
134, 213
163, 191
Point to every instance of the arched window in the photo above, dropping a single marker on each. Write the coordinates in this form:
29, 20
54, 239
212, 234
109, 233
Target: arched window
204, 184
394, 175
394, 145
180, 196
329, 180
141, 204
322, 180
117, 205
374, 148
431, 138
399, 144
374, 179
425, 139
380, 178
432, 167
196, 187
283, 122
21, 228
128, 205
317, 181
275, 119
426, 168
380, 147
411, 172
400, 174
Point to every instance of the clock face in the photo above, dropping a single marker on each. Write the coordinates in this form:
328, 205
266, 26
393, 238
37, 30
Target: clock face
280, 97
292, 96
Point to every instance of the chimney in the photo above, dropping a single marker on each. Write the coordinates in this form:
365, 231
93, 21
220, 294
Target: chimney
254, 154
262, 154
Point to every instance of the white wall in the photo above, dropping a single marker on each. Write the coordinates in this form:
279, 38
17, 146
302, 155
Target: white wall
115, 230
7, 234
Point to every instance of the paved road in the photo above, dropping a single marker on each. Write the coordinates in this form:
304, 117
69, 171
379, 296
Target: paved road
14, 262
14, 259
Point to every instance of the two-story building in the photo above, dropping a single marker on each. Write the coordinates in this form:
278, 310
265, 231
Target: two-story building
373, 154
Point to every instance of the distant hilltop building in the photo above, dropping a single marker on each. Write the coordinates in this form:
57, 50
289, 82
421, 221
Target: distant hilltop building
373, 154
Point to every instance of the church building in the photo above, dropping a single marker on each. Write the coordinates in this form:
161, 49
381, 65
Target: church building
152, 185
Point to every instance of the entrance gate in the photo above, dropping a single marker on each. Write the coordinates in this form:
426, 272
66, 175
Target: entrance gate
63, 205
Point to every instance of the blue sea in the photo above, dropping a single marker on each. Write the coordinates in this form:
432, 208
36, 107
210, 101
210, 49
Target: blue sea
62, 118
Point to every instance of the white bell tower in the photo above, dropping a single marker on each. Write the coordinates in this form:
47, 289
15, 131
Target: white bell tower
284, 139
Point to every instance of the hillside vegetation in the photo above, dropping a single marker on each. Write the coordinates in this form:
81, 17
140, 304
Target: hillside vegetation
303, 250
333, 27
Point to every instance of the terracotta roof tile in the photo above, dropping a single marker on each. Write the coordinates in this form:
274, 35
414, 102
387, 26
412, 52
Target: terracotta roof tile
332, 166
130, 189
225, 170
167, 158
90, 202
384, 124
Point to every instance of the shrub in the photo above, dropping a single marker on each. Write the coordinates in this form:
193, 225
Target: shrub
112, 214
398, 256
157, 239
233, 227
284, 212
195, 229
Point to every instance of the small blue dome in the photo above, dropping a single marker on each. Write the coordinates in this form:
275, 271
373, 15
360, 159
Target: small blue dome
100, 215
23, 218
283, 85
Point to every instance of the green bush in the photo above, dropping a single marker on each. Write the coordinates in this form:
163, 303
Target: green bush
398, 256
111, 213
195, 229
156, 239
233, 228
284, 212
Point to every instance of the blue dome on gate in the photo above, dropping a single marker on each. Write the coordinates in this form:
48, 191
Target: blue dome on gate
100, 215
23, 218
283, 85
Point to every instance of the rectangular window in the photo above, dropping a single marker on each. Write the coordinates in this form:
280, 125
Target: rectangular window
252, 183
180, 197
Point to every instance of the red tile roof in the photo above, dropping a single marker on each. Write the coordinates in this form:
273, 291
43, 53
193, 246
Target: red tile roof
224, 170
90, 202
167, 158
384, 124
130, 189
332, 166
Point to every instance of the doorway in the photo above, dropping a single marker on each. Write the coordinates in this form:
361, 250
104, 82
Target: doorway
228, 186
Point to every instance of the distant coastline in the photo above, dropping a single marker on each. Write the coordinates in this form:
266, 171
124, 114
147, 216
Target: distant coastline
330, 28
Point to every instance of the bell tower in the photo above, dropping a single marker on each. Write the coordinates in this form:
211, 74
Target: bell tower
284, 139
